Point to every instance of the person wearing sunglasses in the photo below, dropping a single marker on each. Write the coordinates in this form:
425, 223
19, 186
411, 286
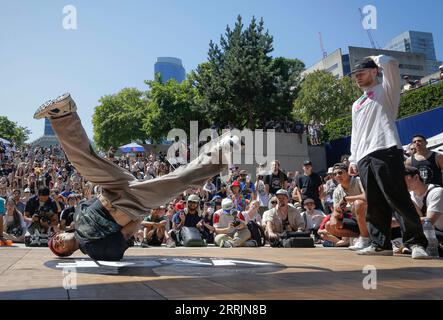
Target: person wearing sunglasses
429, 163
377, 157
349, 191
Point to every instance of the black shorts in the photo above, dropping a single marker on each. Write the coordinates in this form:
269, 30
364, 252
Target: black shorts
155, 241
351, 225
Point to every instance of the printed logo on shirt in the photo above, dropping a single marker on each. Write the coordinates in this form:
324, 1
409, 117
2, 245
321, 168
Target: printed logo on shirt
363, 101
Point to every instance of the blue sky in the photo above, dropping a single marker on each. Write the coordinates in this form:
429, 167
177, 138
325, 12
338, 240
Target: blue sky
117, 42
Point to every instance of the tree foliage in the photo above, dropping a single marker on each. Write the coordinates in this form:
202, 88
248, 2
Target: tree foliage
118, 118
171, 105
420, 100
241, 84
324, 98
11, 131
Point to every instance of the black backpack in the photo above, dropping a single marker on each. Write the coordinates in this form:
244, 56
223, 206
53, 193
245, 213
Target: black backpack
257, 233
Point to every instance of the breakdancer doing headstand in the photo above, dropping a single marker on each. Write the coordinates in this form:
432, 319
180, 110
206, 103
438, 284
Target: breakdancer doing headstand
104, 224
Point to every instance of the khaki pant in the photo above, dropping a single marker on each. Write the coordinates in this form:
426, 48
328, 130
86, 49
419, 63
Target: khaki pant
119, 186
237, 240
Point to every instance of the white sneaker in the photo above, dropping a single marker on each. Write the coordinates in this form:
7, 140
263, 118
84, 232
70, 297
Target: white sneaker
56, 108
419, 252
360, 244
373, 250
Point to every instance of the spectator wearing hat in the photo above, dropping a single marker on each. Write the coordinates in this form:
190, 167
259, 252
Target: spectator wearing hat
311, 185
312, 217
377, 157
237, 197
230, 231
428, 200
210, 189
329, 188
429, 163
282, 218
349, 197
189, 216
247, 188
276, 180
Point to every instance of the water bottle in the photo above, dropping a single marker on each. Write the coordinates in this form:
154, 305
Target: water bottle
429, 231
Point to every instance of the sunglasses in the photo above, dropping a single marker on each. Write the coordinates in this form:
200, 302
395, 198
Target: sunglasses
274, 202
339, 173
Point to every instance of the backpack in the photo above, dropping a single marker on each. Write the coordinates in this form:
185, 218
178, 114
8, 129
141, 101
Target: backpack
257, 233
191, 237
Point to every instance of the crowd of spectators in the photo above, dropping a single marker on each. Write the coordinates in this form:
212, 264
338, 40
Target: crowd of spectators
40, 190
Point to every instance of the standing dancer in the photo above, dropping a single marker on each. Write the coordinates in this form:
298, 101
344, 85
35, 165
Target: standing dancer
377, 156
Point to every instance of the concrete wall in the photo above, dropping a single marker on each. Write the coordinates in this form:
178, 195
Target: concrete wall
332, 63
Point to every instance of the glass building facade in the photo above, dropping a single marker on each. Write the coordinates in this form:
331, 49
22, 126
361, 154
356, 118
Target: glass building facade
48, 128
416, 42
170, 68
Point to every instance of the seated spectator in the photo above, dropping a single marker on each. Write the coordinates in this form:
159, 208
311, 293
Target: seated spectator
20, 205
188, 217
237, 197
247, 188
349, 197
154, 228
210, 189
206, 224
223, 192
313, 218
44, 213
251, 213
67, 215
230, 231
260, 188
428, 200
3, 240
14, 226
282, 218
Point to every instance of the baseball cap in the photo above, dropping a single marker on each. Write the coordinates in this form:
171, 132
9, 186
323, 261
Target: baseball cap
363, 64
341, 166
309, 200
243, 172
235, 184
307, 163
27, 190
282, 192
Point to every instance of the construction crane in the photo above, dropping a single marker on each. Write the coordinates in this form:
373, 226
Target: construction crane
368, 31
322, 47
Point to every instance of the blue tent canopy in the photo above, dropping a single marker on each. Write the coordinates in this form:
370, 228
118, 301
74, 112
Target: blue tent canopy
132, 147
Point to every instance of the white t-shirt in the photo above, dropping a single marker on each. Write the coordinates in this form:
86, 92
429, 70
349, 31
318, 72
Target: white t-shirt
244, 216
434, 203
315, 218
375, 112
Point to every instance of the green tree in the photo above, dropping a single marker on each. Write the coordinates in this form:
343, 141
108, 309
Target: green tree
241, 84
420, 100
324, 98
171, 105
118, 118
11, 131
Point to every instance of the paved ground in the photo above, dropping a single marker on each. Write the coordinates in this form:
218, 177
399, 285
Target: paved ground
214, 273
